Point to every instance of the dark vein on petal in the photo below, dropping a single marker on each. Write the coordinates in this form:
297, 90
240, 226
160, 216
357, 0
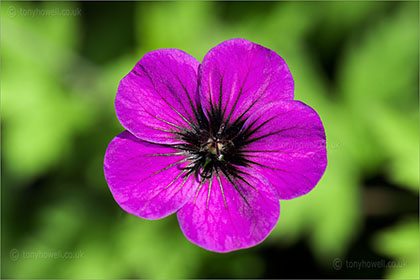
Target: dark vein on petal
154, 87
166, 155
169, 166
246, 182
249, 108
221, 188
179, 114
261, 151
198, 190
239, 119
166, 168
221, 93
237, 99
188, 95
189, 99
173, 132
236, 187
269, 167
148, 202
268, 134
173, 181
186, 91
208, 195
210, 94
254, 162
183, 183
169, 123
248, 133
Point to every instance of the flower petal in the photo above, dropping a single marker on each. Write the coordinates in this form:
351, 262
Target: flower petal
229, 217
288, 147
239, 77
145, 179
156, 97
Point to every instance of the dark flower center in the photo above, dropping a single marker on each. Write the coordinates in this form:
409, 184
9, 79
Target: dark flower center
213, 145
216, 147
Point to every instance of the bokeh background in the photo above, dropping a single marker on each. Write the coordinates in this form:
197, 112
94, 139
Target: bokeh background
356, 63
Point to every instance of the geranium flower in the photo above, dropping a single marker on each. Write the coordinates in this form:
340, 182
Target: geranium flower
219, 143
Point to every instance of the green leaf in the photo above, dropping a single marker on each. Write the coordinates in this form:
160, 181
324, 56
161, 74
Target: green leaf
401, 242
144, 247
379, 81
184, 25
40, 112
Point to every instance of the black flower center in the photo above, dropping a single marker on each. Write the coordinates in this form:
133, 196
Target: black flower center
216, 148
213, 145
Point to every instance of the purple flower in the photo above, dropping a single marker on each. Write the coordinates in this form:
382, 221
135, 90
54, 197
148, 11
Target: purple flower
219, 143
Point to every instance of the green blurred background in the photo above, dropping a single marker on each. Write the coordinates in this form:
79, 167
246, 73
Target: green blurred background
356, 63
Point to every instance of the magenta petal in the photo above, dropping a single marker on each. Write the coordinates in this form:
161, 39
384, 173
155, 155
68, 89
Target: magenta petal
145, 179
289, 148
156, 97
224, 219
238, 73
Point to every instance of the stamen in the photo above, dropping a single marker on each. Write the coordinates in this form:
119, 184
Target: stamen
214, 145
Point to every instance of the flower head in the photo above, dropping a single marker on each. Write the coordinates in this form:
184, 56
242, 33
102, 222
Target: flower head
218, 142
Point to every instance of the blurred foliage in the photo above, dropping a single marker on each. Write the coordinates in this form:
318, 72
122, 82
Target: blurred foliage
401, 242
356, 63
